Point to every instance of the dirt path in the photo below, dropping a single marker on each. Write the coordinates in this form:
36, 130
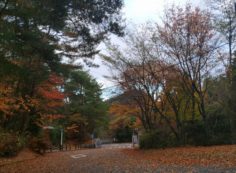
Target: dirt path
118, 160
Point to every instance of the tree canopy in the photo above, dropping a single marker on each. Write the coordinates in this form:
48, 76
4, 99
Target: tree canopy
39, 41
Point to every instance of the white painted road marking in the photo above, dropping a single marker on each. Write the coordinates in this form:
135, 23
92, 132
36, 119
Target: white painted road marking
77, 156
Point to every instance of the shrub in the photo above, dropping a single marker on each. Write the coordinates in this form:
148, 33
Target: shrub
124, 134
220, 131
9, 144
196, 133
216, 131
38, 145
156, 139
55, 136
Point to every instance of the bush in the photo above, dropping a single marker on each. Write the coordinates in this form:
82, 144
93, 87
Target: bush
196, 133
124, 134
9, 145
157, 139
55, 136
216, 131
38, 145
220, 131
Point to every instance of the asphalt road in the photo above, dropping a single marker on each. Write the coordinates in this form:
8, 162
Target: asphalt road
110, 158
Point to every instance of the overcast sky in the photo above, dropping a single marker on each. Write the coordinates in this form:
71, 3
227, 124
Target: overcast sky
138, 12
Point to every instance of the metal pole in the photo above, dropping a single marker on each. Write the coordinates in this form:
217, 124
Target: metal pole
92, 137
133, 138
61, 139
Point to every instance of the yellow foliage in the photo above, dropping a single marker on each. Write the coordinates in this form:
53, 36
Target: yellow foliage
121, 115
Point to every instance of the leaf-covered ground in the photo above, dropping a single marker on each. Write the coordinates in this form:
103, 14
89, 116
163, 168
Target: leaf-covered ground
216, 159
200, 159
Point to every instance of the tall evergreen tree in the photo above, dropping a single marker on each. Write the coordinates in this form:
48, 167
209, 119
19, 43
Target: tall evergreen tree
35, 36
232, 102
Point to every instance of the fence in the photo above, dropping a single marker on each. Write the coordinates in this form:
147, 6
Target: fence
69, 147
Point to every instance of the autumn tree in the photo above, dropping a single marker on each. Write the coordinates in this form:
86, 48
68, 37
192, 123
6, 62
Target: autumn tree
33, 43
124, 118
187, 40
51, 100
165, 68
36, 38
150, 82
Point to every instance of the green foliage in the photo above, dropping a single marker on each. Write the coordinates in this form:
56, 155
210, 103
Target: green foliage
31, 50
85, 108
215, 132
220, 110
123, 134
232, 102
219, 127
33, 22
157, 139
9, 144
55, 136
195, 133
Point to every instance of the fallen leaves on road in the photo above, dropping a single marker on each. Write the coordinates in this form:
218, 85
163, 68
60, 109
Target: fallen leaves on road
22, 156
219, 156
216, 159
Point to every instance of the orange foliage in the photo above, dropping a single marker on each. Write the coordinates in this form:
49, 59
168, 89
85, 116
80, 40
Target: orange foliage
121, 115
121, 110
49, 89
52, 98
5, 98
46, 100
10, 103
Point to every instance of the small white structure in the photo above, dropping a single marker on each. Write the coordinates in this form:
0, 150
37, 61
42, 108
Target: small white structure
98, 143
135, 138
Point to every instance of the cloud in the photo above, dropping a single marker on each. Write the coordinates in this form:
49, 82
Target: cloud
141, 11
